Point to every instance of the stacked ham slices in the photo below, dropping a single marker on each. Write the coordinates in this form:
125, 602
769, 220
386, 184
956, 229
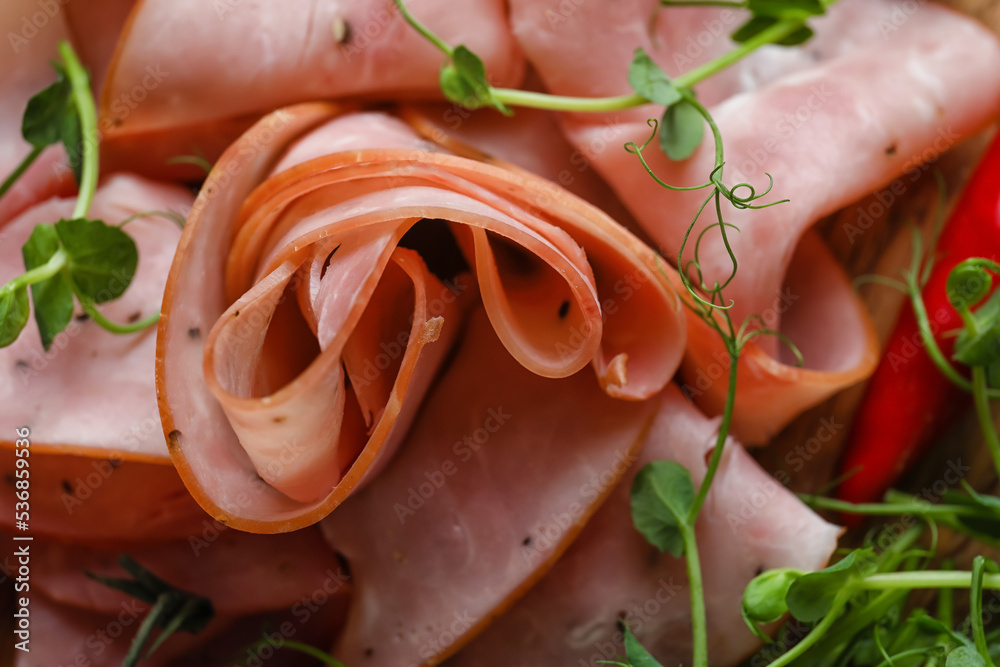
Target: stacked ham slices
410, 356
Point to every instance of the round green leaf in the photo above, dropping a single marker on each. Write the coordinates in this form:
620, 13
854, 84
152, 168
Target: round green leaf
662, 496
53, 297
648, 80
681, 130
13, 313
102, 258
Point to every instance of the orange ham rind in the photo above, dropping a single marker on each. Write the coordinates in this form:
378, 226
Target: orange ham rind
532, 248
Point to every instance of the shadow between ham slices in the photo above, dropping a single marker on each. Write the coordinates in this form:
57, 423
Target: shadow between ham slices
99, 466
829, 133
321, 236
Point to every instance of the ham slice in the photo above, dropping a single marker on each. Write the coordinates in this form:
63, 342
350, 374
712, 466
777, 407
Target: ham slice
286, 405
749, 522
33, 32
494, 482
326, 50
932, 84
215, 563
89, 400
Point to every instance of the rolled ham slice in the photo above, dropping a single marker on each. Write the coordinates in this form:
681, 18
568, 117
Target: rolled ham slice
881, 108
749, 523
299, 335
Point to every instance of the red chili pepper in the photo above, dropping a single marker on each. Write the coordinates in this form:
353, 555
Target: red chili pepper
909, 401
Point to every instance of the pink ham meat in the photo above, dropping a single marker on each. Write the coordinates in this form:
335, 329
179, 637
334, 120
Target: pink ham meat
33, 37
70, 635
214, 562
101, 442
292, 348
315, 51
880, 108
500, 472
611, 572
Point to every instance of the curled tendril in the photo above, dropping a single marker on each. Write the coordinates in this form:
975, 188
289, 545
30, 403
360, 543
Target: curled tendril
697, 251
636, 149
746, 334
710, 301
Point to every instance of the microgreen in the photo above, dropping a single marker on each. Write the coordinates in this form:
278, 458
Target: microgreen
77, 257
464, 81
173, 609
267, 642
662, 498
51, 117
636, 654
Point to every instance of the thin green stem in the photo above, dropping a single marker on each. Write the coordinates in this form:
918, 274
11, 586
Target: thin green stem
524, 98
913, 652
720, 441
114, 327
775, 33
80, 83
891, 509
851, 624
815, 634
146, 630
930, 344
521, 98
699, 622
325, 658
925, 579
55, 264
21, 168
422, 29
976, 610
946, 601
982, 401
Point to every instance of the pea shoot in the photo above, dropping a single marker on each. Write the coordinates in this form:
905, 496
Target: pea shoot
80, 258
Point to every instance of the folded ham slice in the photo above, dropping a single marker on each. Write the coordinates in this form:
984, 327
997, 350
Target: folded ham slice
89, 401
880, 108
326, 50
290, 364
494, 482
749, 522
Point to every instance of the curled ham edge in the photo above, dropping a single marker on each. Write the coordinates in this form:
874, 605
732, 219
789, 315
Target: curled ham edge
215, 468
